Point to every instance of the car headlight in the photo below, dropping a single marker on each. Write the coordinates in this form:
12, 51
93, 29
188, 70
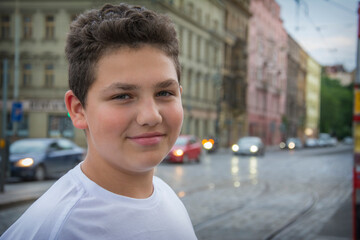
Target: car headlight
235, 148
25, 162
291, 145
208, 145
178, 152
254, 149
282, 145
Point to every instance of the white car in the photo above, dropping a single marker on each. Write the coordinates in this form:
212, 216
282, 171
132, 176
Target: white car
249, 146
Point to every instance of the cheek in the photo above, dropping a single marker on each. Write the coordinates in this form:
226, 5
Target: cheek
175, 116
108, 121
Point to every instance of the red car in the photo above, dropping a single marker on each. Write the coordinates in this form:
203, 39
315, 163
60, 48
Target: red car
186, 148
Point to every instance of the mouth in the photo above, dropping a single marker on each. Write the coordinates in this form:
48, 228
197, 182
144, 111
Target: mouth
147, 139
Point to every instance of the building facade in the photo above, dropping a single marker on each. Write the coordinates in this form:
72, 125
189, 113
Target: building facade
295, 93
267, 71
33, 35
233, 105
312, 98
338, 72
42, 68
301, 94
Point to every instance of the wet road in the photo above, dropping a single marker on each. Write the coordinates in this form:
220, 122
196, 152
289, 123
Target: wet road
283, 195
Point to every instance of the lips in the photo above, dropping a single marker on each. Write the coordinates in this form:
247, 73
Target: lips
147, 139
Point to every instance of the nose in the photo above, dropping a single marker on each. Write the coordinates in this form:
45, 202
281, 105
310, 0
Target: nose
148, 114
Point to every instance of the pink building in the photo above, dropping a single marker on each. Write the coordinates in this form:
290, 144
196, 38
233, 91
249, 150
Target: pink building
267, 64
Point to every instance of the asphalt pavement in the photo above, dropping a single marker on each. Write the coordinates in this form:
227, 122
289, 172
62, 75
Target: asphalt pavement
339, 226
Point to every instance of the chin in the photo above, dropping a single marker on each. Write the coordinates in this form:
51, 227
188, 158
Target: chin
150, 161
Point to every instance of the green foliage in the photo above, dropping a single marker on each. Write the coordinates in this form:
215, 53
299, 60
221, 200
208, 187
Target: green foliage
336, 109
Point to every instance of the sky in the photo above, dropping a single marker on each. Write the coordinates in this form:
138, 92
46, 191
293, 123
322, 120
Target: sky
326, 29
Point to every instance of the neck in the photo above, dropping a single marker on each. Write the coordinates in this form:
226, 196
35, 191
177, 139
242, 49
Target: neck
119, 181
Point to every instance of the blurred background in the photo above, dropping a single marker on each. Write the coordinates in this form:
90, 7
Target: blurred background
281, 71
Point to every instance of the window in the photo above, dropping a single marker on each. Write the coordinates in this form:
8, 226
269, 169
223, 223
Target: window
27, 27
198, 48
216, 25
5, 27
197, 85
49, 27
60, 126
215, 56
22, 126
65, 144
190, 45
189, 84
205, 89
181, 5
49, 75
199, 15
207, 52
191, 9
26, 74
181, 40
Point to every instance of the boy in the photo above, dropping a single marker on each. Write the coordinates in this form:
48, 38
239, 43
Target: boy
124, 77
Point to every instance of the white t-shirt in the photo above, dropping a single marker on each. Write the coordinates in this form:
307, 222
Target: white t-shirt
77, 208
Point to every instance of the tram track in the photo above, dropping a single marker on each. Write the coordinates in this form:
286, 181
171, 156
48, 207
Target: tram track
308, 208
224, 215
304, 212
316, 198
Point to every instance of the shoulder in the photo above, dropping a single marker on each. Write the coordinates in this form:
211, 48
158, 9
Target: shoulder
45, 217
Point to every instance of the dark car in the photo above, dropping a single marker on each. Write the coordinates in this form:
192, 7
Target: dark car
249, 146
186, 148
291, 143
40, 158
210, 144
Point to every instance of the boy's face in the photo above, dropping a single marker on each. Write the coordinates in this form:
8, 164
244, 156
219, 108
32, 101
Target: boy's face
133, 111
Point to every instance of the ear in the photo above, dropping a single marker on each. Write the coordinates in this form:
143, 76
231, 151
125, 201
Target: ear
76, 110
181, 89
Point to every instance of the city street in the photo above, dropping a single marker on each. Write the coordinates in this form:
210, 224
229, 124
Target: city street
283, 195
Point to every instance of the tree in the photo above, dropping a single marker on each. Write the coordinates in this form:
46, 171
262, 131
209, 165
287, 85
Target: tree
336, 108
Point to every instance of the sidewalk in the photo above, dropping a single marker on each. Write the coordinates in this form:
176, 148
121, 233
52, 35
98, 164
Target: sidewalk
340, 225
22, 192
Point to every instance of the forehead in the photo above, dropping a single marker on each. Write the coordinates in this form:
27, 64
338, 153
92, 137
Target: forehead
134, 65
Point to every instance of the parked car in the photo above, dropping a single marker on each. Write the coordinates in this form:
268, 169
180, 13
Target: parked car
311, 142
187, 148
324, 140
40, 158
249, 146
333, 141
348, 140
291, 143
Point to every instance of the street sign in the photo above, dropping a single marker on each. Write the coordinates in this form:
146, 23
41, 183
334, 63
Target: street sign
17, 112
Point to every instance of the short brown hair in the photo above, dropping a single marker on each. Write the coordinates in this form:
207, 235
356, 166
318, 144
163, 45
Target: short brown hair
97, 31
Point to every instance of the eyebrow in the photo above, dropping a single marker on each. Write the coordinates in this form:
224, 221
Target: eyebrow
166, 83
132, 87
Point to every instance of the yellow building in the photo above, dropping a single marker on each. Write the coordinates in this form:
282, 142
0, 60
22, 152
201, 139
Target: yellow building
312, 98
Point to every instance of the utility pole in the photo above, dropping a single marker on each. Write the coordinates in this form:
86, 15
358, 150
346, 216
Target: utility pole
16, 61
3, 138
356, 130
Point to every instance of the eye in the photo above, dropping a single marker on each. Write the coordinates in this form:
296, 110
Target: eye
164, 94
123, 96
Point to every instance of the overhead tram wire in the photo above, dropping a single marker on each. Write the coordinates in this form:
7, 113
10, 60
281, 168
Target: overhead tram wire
338, 5
317, 28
